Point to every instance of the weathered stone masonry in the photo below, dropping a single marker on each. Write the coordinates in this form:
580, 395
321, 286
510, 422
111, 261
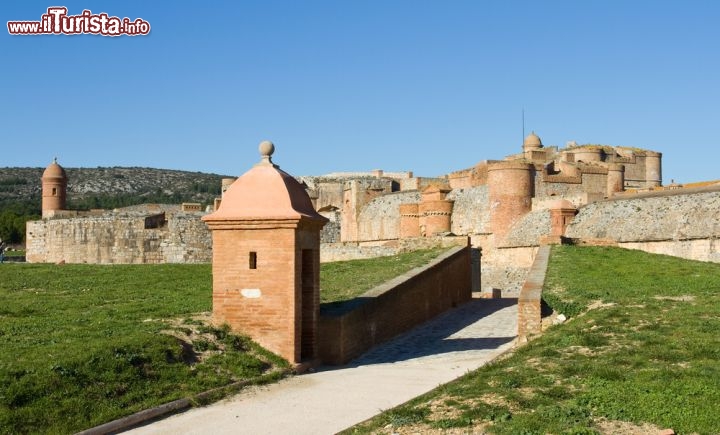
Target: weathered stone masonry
120, 237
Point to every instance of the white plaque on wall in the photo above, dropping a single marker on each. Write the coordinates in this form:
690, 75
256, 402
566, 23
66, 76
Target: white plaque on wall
251, 293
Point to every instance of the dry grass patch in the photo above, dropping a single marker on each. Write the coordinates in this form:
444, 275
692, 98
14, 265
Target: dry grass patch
614, 427
683, 298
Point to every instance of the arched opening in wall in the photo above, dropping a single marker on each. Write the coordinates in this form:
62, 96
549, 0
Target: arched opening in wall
54, 191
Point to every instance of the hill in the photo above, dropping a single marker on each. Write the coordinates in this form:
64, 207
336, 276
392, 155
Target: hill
93, 187
88, 188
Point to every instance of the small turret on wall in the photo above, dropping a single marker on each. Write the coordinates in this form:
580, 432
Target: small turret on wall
430, 217
562, 213
435, 211
54, 189
531, 143
409, 221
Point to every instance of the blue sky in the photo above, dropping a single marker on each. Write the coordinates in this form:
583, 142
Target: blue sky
426, 86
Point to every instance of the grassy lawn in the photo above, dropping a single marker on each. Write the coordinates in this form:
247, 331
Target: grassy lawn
641, 352
344, 280
14, 253
85, 344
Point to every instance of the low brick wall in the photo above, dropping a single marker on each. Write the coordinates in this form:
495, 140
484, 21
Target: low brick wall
349, 329
530, 299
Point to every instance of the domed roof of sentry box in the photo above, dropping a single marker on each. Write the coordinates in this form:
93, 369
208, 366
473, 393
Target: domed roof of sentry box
532, 141
54, 170
265, 192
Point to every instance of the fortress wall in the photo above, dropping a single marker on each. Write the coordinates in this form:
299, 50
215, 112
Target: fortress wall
187, 240
330, 233
420, 183
528, 230
506, 268
471, 177
357, 195
351, 251
118, 239
460, 179
699, 249
329, 194
470, 210
380, 218
684, 225
591, 187
635, 171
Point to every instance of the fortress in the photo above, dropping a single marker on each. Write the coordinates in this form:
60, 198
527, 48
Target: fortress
508, 208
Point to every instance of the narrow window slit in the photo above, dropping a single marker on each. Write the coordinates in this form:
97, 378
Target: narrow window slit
253, 260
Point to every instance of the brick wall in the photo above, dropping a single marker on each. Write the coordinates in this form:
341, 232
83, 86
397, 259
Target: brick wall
348, 330
529, 301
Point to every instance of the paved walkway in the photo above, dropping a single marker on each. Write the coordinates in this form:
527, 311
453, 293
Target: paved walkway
333, 399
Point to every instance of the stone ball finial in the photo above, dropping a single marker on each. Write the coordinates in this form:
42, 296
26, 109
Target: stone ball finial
266, 148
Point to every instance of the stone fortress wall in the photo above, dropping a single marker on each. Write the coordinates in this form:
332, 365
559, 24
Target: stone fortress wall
508, 208
121, 236
503, 205
681, 223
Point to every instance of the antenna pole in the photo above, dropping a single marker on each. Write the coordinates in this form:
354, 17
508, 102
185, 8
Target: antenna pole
523, 123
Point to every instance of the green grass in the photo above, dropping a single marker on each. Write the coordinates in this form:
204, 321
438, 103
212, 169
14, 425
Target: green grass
84, 344
344, 280
648, 352
14, 253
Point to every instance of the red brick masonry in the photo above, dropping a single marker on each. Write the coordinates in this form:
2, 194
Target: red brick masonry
349, 329
529, 302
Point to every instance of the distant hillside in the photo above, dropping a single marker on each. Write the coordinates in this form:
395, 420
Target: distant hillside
20, 189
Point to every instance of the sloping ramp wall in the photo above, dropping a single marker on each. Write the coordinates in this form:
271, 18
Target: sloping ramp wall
349, 329
530, 299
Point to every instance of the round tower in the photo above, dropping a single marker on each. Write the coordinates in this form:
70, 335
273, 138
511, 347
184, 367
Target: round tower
409, 221
435, 211
615, 179
510, 191
54, 189
653, 168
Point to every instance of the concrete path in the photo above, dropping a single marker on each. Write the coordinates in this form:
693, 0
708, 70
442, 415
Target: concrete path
335, 398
